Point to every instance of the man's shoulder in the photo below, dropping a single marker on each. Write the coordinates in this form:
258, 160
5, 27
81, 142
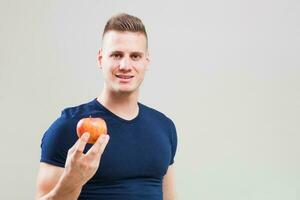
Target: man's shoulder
80, 110
155, 113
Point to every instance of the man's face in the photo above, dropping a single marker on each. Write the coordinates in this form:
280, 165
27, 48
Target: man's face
124, 59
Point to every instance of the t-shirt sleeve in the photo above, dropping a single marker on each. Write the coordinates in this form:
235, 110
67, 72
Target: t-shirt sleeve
56, 142
173, 141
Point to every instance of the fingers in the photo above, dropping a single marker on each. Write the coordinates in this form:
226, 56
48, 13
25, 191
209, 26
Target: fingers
99, 145
81, 142
72, 149
104, 142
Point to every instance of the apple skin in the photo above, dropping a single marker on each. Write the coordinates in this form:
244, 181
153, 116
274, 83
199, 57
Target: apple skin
95, 126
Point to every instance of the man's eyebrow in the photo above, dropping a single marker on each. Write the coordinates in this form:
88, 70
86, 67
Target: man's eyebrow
137, 53
116, 52
132, 53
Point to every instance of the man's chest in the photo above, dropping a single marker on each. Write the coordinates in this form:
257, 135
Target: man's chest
134, 152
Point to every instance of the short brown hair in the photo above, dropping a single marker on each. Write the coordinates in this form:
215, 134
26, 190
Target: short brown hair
125, 22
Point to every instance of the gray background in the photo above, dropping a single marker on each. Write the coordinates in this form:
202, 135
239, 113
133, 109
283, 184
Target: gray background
227, 73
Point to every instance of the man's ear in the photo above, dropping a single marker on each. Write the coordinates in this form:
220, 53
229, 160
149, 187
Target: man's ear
99, 58
147, 60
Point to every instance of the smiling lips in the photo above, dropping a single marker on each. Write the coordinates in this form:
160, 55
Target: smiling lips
124, 76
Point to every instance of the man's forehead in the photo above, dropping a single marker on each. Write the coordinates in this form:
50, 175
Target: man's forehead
116, 40
112, 34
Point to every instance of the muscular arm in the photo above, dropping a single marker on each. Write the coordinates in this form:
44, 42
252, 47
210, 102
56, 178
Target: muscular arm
50, 184
169, 192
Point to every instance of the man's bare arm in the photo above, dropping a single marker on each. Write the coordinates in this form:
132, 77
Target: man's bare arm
169, 191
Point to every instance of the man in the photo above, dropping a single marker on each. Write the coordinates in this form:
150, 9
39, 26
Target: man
135, 162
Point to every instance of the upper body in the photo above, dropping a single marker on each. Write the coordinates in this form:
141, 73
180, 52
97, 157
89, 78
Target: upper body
72, 169
135, 160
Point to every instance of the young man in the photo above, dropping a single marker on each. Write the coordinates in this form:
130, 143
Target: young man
135, 162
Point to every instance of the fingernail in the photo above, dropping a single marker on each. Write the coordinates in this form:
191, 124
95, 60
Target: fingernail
103, 138
86, 136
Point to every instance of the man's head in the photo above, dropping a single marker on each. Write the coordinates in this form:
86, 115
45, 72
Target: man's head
124, 22
124, 55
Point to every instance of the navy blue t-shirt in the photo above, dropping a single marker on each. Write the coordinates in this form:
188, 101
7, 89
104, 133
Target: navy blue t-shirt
135, 159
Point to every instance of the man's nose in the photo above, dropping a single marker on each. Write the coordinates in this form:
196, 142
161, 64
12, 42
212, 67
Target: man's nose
125, 63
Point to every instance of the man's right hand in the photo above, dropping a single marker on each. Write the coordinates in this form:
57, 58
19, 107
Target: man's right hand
79, 168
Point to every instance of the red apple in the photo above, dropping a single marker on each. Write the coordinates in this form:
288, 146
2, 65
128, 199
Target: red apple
95, 126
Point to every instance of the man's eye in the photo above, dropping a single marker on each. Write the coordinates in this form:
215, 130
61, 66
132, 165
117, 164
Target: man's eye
135, 57
116, 56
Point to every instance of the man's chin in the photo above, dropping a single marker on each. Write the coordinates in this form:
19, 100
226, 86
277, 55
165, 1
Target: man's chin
126, 91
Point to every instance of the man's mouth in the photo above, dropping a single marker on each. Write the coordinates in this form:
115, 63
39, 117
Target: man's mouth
124, 76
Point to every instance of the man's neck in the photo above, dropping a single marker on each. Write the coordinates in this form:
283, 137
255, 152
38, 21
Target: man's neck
124, 105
